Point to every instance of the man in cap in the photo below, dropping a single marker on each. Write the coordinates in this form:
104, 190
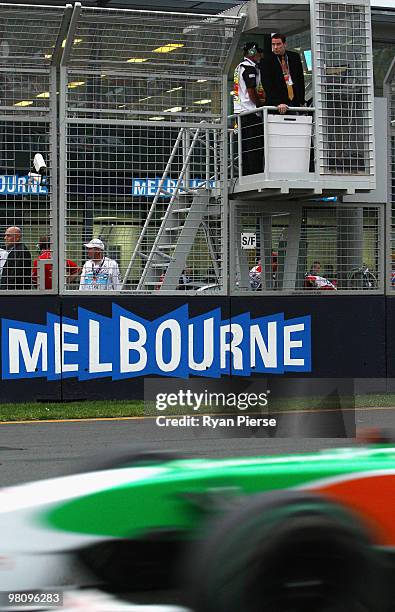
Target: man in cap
99, 273
248, 95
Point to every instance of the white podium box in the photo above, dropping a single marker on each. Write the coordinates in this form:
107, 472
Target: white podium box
289, 140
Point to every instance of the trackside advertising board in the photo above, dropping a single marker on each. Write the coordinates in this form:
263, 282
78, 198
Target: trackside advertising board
174, 344
105, 347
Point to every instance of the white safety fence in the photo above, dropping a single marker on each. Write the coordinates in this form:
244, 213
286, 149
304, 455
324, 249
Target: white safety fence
142, 149
29, 45
310, 249
389, 92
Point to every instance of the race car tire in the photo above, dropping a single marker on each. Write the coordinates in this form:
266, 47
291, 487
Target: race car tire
286, 551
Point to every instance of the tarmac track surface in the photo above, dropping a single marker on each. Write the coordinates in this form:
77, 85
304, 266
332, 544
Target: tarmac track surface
33, 451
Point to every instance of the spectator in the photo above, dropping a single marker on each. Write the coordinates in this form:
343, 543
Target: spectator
315, 268
18, 265
256, 272
185, 280
99, 273
249, 95
314, 280
274, 264
72, 269
255, 275
282, 76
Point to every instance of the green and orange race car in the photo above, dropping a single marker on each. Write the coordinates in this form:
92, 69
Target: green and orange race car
293, 533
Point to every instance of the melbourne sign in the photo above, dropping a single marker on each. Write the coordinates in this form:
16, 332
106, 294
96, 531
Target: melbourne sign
126, 345
13, 184
149, 186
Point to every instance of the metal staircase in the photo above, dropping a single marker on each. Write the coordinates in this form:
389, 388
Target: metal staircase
166, 239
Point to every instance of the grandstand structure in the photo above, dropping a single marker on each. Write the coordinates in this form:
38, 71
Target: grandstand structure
131, 110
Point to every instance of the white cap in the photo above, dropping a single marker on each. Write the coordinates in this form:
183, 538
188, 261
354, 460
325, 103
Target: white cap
95, 243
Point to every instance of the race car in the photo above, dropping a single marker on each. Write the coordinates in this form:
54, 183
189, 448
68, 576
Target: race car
303, 532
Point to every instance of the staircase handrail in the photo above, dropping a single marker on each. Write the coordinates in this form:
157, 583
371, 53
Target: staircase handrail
167, 213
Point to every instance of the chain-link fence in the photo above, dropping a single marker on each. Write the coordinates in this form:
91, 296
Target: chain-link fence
342, 49
142, 149
335, 248
101, 109
28, 173
389, 92
116, 155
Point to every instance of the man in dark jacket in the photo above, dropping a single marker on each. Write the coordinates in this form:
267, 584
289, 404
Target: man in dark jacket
17, 269
282, 76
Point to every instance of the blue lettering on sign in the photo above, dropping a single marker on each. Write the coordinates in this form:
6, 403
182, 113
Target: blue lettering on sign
13, 184
126, 345
148, 187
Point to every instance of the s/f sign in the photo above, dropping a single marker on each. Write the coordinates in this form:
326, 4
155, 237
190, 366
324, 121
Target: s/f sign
248, 240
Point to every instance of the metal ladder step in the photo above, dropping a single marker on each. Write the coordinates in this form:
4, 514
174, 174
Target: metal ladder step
157, 252
176, 228
164, 264
178, 210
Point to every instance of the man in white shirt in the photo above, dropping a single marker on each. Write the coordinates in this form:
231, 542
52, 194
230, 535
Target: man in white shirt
99, 273
249, 95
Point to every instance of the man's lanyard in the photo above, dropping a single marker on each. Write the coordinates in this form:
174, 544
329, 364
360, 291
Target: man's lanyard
96, 272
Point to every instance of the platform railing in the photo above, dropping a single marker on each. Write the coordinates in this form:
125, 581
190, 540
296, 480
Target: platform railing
238, 144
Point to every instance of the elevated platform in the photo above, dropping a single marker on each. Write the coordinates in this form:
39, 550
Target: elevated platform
286, 186
295, 161
359, 187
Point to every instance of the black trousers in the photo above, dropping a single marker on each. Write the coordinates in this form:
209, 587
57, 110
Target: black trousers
252, 143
